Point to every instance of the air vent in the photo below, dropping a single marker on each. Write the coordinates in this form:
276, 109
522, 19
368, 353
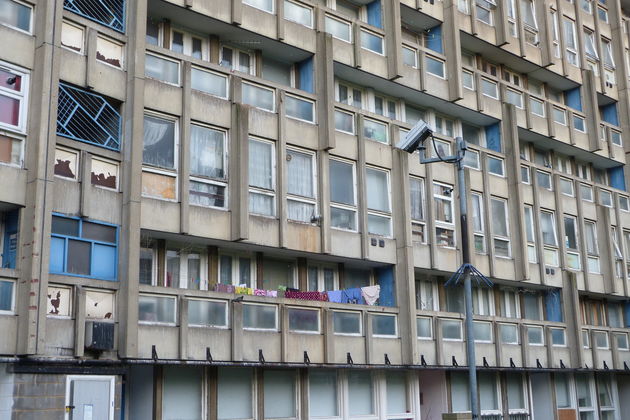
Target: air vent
99, 335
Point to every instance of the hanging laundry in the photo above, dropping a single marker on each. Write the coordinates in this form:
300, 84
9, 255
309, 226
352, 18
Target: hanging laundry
371, 294
335, 296
304, 295
352, 296
260, 292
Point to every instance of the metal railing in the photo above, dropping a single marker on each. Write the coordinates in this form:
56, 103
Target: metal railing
110, 13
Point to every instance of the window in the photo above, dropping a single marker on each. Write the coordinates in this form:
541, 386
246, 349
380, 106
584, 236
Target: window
434, 66
483, 332
606, 402
410, 57
361, 397
384, 325
280, 394
586, 191
568, 27
622, 341
416, 192
444, 126
208, 163
559, 115
372, 42
343, 212
571, 241
624, 203
277, 273
339, 29
378, 202
66, 163
189, 44
566, 187
605, 198
301, 186
235, 393
260, 317
555, 34
468, 79
348, 323
236, 269
548, 228
159, 155
109, 51
424, 326
321, 278
607, 53
500, 227
444, 222
471, 159
385, 107
510, 303
208, 313
531, 238
16, 15
528, 14
161, 68
72, 36
535, 335
478, 223
185, 268
262, 179
590, 45
156, 309
266, 5
585, 396
299, 108
209, 82
83, 248
451, 329
514, 97
587, 6
323, 393
303, 320
237, 60
495, 166
375, 130
590, 231
298, 13
537, 106
489, 88
525, 174
544, 180
7, 297
602, 14
485, 10
110, 14
509, 333
259, 97
579, 123
344, 121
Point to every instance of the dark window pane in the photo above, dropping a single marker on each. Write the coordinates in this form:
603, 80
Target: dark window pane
78, 257
159, 142
65, 226
99, 232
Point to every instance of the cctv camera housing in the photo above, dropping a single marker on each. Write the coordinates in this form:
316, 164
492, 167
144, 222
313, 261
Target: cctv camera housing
414, 138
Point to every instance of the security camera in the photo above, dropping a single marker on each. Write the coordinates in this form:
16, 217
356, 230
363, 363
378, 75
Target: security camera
414, 138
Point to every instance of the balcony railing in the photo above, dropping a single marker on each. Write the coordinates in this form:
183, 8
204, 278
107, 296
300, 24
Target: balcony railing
110, 13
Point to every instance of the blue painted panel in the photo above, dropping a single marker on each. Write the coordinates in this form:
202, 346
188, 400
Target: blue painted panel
434, 39
553, 304
104, 262
609, 114
573, 98
617, 178
374, 14
626, 313
57, 253
9, 252
305, 69
385, 279
493, 137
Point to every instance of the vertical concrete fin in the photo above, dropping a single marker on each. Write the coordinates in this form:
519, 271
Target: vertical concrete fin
591, 109
184, 157
325, 88
281, 171
393, 39
239, 162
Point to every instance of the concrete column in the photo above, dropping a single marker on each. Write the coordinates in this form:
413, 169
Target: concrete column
184, 156
545, 31
325, 88
183, 327
591, 109
606, 249
324, 200
280, 22
239, 172
85, 182
571, 305
237, 12
453, 51
393, 37
79, 321
281, 172
362, 190
237, 331
90, 70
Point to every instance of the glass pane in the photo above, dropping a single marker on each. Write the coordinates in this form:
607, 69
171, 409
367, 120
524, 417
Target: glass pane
344, 122
451, 329
260, 162
280, 393
258, 97
347, 322
424, 327
161, 69
146, 266
433, 66
338, 29
16, 15
300, 174
379, 225
360, 393
156, 309
172, 269
207, 312
244, 268
396, 386
376, 131
207, 152
159, 142
211, 83
499, 217
299, 108
323, 393
342, 190
6, 295
516, 396
535, 335
509, 334
234, 393
207, 195
278, 273
11, 150
98, 232
488, 394
563, 396
383, 325
182, 393
303, 320
225, 269
194, 271
78, 258
259, 317
583, 391
65, 226
298, 14
483, 331
372, 42
343, 218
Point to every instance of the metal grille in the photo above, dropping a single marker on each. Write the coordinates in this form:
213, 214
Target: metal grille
108, 12
87, 117
492, 417
519, 416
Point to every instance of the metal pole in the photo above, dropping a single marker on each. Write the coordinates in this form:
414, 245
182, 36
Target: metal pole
470, 336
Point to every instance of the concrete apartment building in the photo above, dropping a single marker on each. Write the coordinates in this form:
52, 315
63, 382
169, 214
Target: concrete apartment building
179, 180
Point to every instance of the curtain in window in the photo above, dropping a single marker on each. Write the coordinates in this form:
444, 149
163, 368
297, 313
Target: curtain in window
415, 187
569, 33
361, 393
182, 393
159, 142
260, 164
591, 238
476, 214
323, 393
234, 387
261, 204
499, 220
528, 14
589, 44
300, 174
548, 229
206, 152
377, 190
280, 393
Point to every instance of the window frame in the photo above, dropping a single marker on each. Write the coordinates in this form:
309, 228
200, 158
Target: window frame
314, 181
298, 4
11, 311
346, 207
276, 328
170, 172
30, 22
263, 191
212, 180
380, 213
175, 309
495, 236
22, 97
227, 313
438, 224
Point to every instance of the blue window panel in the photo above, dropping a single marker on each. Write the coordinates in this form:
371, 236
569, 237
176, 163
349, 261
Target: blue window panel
609, 114
305, 70
573, 98
554, 306
110, 13
9, 251
374, 14
57, 254
626, 313
493, 137
385, 279
87, 117
434, 39
617, 178
104, 262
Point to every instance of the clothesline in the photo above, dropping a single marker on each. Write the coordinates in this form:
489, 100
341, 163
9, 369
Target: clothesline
367, 295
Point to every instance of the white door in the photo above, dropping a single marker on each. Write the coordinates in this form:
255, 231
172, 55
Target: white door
90, 397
